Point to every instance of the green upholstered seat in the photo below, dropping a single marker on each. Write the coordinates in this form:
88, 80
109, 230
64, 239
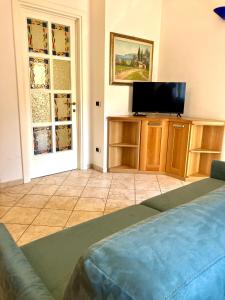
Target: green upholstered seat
17, 277
183, 195
218, 169
53, 258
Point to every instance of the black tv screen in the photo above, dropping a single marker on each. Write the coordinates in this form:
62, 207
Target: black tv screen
159, 97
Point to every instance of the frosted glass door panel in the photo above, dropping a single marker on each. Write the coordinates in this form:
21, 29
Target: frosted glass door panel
62, 107
39, 73
63, 137
37, 32
61, 75
41, 107
60, 40
42, 140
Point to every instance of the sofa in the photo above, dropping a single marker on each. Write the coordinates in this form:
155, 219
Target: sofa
141, 252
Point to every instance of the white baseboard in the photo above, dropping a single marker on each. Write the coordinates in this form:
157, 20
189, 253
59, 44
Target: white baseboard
11, 183
96, 168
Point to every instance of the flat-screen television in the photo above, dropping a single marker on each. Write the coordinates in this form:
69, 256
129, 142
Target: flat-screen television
159, 97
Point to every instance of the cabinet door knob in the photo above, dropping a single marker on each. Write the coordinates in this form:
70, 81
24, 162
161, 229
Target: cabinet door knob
178, 126
73, 103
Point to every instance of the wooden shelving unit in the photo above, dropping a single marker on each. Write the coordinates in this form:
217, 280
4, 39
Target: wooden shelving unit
205, 146
180, 147
124, 143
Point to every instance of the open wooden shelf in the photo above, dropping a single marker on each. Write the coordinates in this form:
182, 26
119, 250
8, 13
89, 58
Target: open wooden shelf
123, 158
205, 146
124, 132
122, 167
197, 176
207, 138
200, 150
199, 164
123, 145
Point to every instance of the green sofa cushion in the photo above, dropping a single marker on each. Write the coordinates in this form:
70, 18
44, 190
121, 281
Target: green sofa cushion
55, 256
218, 169
183, 195
18, 281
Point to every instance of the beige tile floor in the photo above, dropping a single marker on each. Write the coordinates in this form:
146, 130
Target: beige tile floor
49, 204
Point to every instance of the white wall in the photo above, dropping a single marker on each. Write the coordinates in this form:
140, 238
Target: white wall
193, 50
136, 18
10, 151
131, 17
97, 54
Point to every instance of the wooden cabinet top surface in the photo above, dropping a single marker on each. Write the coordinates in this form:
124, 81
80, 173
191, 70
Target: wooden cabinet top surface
194, 121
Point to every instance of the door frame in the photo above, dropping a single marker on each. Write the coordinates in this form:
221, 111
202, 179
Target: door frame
81, 29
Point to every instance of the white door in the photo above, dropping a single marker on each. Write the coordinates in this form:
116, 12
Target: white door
51, 92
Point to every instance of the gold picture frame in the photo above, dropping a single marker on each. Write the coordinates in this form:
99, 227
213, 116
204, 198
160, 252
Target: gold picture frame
131, 59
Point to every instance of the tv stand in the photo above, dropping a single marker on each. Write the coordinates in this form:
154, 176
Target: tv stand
137, 114
178, 115
181, 147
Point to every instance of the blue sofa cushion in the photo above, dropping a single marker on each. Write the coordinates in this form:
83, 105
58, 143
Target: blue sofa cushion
18, 281
179, 254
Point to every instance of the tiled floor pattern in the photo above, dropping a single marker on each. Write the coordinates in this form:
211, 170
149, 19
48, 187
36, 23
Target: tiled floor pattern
49, 204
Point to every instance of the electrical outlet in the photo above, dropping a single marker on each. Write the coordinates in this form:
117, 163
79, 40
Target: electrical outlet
97, 149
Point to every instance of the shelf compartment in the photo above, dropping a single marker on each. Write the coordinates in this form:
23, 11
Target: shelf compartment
124, 145
199, 164
196, 177
122, 168
200, 150
123, 158
124, 132
199, 175
206, 138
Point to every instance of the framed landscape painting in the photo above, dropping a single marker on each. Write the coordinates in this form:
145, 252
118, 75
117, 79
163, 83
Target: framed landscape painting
131, 59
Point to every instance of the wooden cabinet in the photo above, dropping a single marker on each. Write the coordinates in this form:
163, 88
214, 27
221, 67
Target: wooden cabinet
179, 147
178, 140
154, 135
